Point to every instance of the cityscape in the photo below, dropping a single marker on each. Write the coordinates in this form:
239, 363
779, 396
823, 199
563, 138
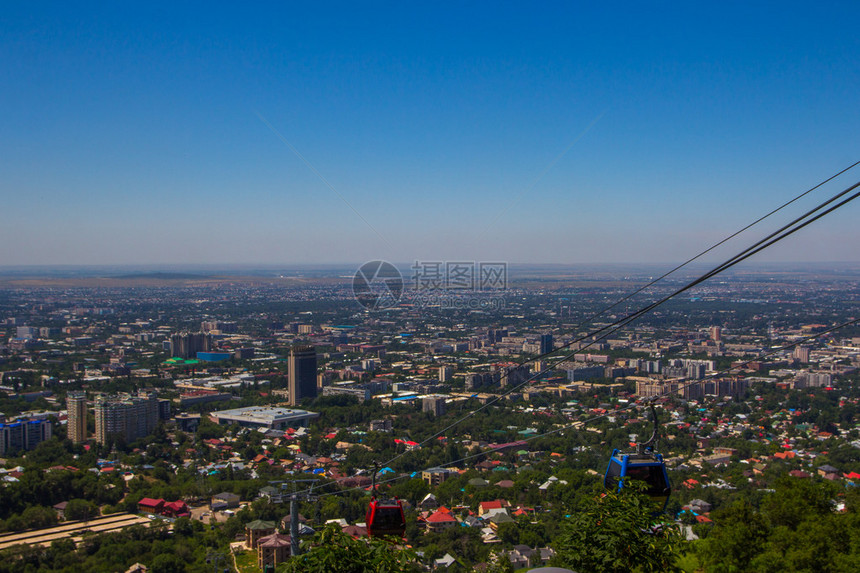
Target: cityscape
429, 287
210, 401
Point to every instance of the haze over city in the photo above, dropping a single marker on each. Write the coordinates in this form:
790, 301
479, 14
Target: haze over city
287, 134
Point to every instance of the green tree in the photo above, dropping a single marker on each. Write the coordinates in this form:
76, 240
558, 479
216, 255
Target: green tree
36, 517
167, 563
739, 534
796, 529
80, 509
614, 532
501, 565
509, 533
333, 551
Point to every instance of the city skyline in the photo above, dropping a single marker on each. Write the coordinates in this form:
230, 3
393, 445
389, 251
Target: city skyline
328, 135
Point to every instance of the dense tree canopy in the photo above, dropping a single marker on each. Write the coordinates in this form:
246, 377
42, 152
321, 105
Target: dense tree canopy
333, 551
615, 532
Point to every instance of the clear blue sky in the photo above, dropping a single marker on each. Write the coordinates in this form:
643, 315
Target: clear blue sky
529, 132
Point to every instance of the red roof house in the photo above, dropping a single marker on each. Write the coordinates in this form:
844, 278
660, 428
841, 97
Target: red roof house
440, 521
175, 509
486, 506
149, 505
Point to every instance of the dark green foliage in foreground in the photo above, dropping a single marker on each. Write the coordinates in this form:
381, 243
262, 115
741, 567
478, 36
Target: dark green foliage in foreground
613, 532
333, 551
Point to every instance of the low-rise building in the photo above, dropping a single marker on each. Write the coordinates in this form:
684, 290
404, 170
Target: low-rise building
435, 476
256, 530
264, 417
273, 550
224, 500
440, 521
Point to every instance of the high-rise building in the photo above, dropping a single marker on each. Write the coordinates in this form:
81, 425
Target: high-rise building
474, 380
696, 371
801, 354
497, 334
546, 344
23, 434
433, 404
36, 432
164, 409
514, 376
222, 326
126, 416
478, 379
11, 437
188, 344
651, 366
734, 387
302, 373
76, 404
110, 420
716, 333
27, 332
812, 380
49, 332
445, 373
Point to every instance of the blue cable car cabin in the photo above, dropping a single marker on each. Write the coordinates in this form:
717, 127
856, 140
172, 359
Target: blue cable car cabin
646, 467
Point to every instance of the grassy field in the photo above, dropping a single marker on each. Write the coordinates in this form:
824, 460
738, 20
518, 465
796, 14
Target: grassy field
246, 562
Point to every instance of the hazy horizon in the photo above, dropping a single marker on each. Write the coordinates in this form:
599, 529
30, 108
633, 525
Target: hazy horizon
238, 269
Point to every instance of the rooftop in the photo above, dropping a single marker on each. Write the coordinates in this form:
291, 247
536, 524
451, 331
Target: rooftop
264, 415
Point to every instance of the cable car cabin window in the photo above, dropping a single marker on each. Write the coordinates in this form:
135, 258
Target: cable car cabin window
386, 520
613, 473
652, 475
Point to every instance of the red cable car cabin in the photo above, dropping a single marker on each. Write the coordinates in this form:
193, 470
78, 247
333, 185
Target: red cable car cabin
385, 518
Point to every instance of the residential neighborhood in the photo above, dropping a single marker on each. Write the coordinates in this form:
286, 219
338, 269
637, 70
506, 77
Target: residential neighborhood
489, 429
